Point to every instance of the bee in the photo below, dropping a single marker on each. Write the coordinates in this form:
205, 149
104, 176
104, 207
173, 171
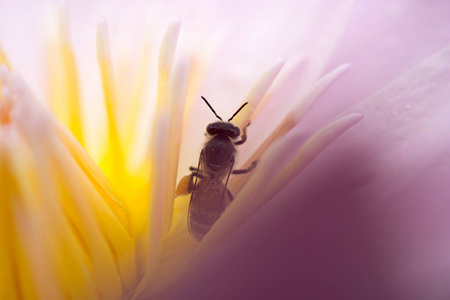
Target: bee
208, 182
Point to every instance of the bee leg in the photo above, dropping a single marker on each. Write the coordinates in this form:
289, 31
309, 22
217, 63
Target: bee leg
191, 180
230, 195
244, 171
244, 135
195, 172
193, 169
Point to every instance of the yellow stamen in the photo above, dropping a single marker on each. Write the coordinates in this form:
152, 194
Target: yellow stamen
72, 239
16, 279
64, 86
165, 60
113, 164
134, 99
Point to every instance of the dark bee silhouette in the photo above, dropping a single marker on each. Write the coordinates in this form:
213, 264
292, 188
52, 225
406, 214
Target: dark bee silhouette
208, 182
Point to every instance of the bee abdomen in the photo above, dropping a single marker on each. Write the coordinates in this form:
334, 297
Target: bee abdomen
199, 230
202, 220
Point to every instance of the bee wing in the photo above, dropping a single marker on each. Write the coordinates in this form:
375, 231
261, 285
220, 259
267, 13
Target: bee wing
192, 211
225, 196
209, 199
200, 172
220, 182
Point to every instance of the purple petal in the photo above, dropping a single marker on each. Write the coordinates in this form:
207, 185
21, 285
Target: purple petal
368, 219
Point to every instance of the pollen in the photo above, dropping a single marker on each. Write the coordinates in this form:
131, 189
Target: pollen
183, 186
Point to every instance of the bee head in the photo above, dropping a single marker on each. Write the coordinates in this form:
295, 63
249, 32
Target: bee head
223, 128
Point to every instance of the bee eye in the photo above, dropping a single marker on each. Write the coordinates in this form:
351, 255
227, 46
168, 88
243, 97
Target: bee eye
234, 132
212, 129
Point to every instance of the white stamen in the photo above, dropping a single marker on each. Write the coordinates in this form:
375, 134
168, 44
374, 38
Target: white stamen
257, 92
169, 45
252, 197
260, 88
178, 86
103, 48
62, 22
314, 93
293, 117
177, 96
158, 197
308, 151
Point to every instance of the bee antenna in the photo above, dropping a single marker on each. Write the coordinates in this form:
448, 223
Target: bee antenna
209, 105
242, 106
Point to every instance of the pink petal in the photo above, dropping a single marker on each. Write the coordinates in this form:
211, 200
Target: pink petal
368, 219
382, 40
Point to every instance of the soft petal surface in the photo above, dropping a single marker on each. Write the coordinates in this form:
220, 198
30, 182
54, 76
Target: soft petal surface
365, 219
368, 219
383, 39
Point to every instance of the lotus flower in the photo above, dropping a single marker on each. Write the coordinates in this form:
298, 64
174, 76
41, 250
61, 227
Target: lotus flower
332, 210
